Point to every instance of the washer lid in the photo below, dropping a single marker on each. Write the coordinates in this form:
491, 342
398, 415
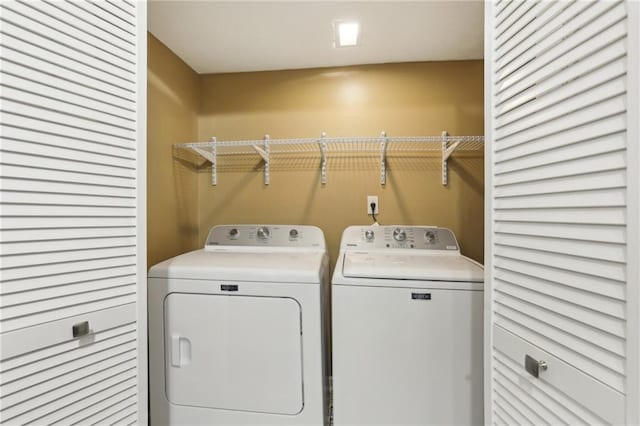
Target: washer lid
409, 266
258, 266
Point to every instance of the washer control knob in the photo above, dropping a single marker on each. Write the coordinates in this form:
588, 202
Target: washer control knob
233, 233
430, 237
368, 234
263, 233
293, 233
399, 234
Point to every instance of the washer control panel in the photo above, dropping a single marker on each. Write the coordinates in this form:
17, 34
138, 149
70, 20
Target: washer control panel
399, 237
265, 235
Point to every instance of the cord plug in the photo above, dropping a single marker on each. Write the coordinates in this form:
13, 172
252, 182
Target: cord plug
373, 211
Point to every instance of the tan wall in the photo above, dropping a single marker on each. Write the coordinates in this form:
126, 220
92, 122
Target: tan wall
402, 99
172, 116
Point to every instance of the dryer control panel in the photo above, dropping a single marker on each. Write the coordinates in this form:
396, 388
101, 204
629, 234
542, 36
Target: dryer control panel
399, 237
266, 235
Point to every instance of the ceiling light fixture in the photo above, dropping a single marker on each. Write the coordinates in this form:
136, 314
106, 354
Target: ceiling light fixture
346, 33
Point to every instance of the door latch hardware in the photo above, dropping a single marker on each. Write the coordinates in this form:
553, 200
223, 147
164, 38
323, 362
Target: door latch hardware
534, 366
80, 329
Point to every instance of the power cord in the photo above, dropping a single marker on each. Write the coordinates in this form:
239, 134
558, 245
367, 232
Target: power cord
373, 212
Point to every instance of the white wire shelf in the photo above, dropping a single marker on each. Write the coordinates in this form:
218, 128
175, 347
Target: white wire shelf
324, 146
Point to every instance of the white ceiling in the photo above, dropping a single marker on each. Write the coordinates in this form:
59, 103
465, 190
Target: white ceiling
236, 36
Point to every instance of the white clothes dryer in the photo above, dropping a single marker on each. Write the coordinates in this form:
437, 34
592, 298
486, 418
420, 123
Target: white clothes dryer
237, 331
407, 329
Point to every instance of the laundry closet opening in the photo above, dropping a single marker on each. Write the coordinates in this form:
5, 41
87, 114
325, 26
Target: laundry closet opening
240, 72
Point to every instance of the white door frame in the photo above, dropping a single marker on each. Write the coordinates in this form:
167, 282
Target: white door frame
141, 215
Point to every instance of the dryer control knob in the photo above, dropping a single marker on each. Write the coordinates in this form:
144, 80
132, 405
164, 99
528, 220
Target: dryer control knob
263, 233
399, 234
233, 233
368, 234
429, 237
293, 233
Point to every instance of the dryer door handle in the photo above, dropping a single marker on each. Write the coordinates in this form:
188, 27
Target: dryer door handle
180, 351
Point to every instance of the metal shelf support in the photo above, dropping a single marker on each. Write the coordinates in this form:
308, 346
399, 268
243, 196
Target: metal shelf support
265, 157
323, 159
447, 150
212, 157
383, 157
263, 152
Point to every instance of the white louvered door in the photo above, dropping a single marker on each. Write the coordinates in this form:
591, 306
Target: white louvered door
72, 187
562, 212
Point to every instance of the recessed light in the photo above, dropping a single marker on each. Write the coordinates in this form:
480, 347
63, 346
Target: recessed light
346, 33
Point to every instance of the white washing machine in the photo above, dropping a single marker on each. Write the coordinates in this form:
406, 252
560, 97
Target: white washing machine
237, 329
407, 312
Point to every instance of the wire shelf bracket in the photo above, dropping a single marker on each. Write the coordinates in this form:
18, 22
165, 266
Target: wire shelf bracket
211, 156
266, 148
323, 158
383, 158
264, 152
447, 150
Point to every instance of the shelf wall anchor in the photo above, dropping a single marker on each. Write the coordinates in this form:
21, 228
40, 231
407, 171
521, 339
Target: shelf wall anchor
263, 152
267, 170
323, 159
212, 157
383, 157
446, 153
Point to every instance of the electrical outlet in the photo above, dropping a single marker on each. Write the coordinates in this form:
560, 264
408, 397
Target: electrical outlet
372, 199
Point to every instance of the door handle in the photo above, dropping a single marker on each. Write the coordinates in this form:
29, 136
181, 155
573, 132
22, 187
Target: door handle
534, 366
80, 329
180, 351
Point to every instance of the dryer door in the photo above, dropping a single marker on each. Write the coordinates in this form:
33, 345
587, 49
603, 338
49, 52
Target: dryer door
233, 352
